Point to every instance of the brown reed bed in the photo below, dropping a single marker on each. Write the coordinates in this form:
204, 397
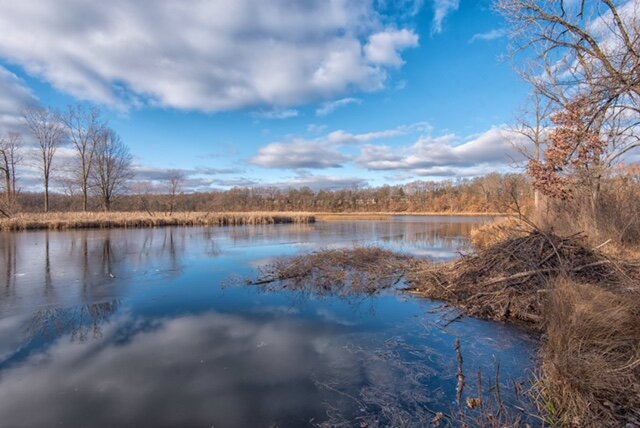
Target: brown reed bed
352, 217
590, 374
106, 220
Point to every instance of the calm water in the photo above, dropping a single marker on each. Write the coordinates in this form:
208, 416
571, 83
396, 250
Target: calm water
146, 328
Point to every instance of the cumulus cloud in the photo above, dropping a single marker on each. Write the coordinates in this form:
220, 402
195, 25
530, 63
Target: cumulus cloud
323, 152
14, 97
446, 155
331, 106
383, 48
224, 55
442, 9
299, 154
488, 36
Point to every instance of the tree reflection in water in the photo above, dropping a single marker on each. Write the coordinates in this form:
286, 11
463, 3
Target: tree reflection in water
79, 322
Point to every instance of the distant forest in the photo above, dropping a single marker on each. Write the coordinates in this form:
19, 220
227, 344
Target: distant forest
491, 193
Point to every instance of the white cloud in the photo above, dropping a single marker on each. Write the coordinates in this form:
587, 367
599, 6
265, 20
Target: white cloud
331, 106
299, 154
14, 97
199, 55
323, 152
446, 155
317, 182
383, 48
442, 9
488, 36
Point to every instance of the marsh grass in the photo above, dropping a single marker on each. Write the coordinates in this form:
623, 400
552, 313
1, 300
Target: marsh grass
590, 376
106, 220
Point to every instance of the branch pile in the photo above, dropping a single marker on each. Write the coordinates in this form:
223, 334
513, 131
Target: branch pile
509, 280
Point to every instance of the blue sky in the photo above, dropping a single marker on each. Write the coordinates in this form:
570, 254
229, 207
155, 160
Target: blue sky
326, 94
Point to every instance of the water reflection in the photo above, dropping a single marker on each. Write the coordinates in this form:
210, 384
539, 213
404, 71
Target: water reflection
79, 322
133, 327
217, 369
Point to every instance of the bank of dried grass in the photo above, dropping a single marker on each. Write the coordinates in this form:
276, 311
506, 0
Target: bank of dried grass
590, 375
107, 220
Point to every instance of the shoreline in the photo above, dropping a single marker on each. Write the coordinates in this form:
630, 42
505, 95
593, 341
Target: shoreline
123, 220
137, 220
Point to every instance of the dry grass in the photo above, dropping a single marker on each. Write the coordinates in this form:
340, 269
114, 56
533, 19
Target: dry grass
105, 220
591, 356
349, 271
585, 304
352, 217
76, 220
613, 217
489, 234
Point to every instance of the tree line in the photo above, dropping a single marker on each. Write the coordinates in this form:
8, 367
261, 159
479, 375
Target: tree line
101, 163
491, 193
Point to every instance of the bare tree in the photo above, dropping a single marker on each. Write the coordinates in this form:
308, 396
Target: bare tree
49, 132
10, 157
586, 53
176, 180
83, 127
532, 128
111, 167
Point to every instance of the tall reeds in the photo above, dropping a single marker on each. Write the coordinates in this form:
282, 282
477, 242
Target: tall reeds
105, 220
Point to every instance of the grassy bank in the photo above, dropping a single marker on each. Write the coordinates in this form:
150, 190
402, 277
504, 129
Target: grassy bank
75, 220
347, 216
105, 220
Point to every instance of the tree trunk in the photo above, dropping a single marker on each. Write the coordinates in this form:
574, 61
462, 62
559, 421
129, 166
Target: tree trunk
7, 180
46, 195
85, 198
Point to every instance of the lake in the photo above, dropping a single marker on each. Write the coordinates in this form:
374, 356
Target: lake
154, 327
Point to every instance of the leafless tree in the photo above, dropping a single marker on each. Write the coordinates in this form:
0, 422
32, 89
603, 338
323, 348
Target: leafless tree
49, 132
531, 130
176, 181
10, 157
83, 128
580, 51
111, 167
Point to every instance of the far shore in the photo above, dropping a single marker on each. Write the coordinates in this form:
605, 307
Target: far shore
107, 220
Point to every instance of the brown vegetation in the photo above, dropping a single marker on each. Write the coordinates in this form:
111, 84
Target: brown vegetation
358, 270
612, 218
585, 304
486, 195
508, 280
60, 221
591, 356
